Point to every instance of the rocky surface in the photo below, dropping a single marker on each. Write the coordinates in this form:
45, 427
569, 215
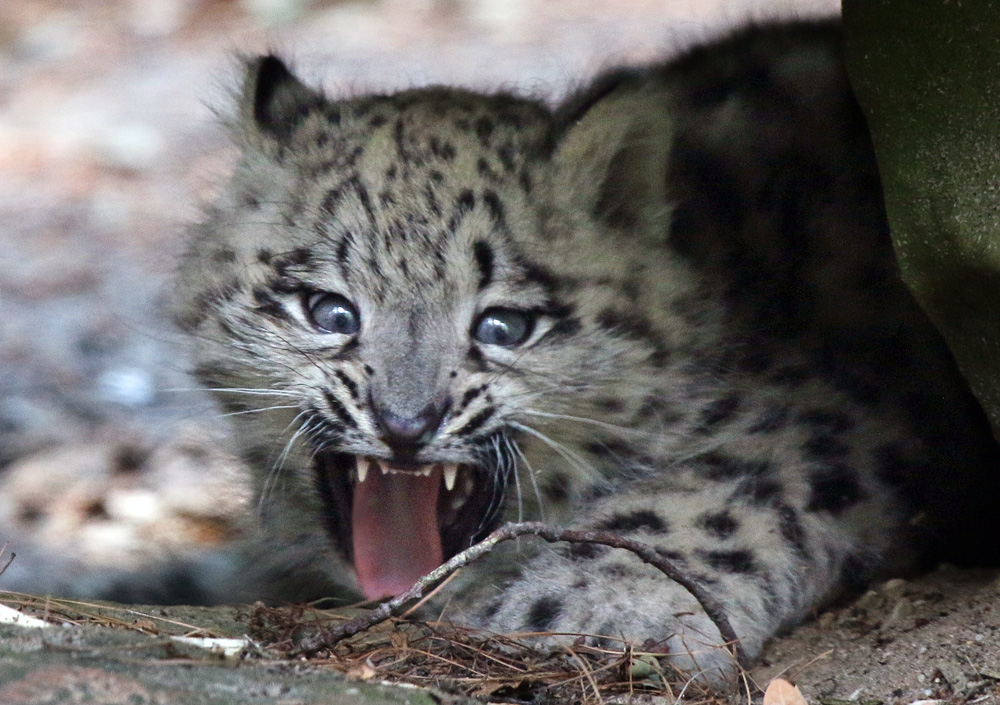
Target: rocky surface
106, 666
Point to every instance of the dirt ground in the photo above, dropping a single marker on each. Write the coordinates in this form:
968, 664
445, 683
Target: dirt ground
107, 148
931, 640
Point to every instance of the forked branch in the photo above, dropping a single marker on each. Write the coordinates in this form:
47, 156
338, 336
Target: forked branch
392, 608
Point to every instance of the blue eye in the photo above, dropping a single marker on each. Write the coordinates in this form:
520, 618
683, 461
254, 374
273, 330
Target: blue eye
332, 313
506, 327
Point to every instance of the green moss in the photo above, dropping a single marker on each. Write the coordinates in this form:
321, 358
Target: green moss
928, 77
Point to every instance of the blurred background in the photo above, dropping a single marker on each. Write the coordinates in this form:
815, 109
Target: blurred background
109, 456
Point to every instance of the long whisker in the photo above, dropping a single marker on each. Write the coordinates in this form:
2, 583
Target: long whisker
585, 420
235, 390
274, 474
302, 352
531, 476
517, 488
257, 411
500, 479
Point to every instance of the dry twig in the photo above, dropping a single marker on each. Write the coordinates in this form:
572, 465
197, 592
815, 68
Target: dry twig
391, 608
9, 560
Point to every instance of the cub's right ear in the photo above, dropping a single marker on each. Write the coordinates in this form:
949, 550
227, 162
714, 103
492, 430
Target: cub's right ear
273, 102
612, 159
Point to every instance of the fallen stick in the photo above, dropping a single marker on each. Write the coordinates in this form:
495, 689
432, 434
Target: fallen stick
9, 560
393, 607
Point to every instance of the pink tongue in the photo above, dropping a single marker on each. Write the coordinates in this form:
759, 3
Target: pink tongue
396, 537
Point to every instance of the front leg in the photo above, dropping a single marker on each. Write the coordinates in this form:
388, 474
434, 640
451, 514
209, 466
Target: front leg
767, 562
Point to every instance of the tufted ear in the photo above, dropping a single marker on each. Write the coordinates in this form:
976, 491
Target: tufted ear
612, 157
273, 102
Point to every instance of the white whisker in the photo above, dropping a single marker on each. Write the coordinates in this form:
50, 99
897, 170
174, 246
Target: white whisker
585, 420
517, 488
531, 476
257, 411
272, 480
236, 390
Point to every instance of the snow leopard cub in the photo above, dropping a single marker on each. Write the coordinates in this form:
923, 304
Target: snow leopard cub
667, 308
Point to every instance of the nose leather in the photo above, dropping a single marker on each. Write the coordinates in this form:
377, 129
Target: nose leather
405, 434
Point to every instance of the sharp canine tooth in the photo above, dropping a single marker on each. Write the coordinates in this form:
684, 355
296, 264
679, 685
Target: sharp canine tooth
450, 473
362, 467
380, 466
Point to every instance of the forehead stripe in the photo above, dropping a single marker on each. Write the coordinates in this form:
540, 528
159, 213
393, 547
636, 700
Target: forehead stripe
484, 260
492, 201
335, 195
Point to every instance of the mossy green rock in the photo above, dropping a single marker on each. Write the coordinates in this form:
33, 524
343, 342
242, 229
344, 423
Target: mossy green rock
928, 78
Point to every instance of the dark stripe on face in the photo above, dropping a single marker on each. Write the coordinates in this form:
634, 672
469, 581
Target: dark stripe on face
285, 285
476, 357
267, 305
484, 260
350, 384
432, 201
366, 201
467, 398
347, 350
537, 274
476, 422
566, 328
339, 410
344, 247
332, 200
465, 202
497, 213
335, 195
299, 256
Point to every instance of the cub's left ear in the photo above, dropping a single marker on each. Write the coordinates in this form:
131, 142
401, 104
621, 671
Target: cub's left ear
273, 102
612, 159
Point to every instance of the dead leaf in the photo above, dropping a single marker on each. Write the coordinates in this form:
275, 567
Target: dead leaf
363, 672
781, 692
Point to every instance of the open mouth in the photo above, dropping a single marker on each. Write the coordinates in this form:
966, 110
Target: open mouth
397, 523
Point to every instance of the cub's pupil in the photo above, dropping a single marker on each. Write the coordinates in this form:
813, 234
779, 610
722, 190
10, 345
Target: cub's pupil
504, 327
332, 313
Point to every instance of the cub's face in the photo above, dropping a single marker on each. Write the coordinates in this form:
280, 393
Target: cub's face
392, 288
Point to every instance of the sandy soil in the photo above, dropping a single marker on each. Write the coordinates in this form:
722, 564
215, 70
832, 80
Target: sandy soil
107, 147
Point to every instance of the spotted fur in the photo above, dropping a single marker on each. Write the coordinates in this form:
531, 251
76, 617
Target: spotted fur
724, 363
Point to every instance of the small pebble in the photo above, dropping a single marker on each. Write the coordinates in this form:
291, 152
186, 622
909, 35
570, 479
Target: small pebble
894, 589
869, 600
901, 611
